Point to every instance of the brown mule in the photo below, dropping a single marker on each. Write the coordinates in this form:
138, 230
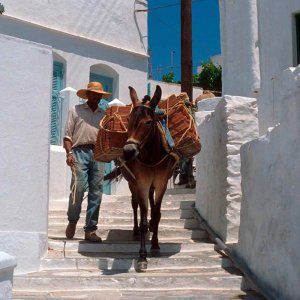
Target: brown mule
147, 166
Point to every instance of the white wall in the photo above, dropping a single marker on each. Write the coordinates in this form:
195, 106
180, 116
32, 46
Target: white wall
25, 108
239, 44
277, 46
222, 132
269, 233
172, 88
112, 43
81, 55
110, 22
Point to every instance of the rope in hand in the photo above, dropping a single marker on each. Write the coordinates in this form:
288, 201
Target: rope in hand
73, 188
123, 164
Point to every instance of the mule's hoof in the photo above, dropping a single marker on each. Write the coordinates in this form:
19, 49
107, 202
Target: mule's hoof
141, 265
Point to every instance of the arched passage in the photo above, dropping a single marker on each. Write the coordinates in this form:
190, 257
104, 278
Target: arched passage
108, 77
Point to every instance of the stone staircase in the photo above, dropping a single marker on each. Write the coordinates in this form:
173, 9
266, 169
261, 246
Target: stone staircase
187, 268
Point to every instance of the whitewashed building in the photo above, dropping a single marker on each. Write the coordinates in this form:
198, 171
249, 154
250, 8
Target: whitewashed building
247, 187
49, 49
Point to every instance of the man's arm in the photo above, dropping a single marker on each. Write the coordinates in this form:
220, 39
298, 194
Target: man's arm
68, 146
69, 129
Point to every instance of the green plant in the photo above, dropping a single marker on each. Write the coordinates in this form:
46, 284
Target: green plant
169, 77
210, 77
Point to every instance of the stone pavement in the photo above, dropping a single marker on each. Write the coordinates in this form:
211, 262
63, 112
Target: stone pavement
187, 268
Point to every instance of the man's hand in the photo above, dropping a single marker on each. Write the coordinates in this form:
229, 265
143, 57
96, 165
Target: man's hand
70, 160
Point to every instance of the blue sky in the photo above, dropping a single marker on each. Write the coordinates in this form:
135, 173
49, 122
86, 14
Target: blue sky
164, 34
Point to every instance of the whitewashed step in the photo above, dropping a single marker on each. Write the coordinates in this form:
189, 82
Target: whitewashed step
126, 205
128, 213
64, 280
124, 223
179, 190
125, 201
158, 294
126, 235
174, 263
187, 267
171, 246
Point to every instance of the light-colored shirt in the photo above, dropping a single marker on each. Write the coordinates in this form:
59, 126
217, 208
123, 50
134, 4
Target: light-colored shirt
83, 124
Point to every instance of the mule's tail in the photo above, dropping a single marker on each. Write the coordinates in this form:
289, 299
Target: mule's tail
114, 175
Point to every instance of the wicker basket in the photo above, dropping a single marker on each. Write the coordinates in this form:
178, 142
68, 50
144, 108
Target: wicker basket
169, 102
112, 133
182, 126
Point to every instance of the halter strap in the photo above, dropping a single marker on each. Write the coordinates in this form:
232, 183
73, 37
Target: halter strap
142, 142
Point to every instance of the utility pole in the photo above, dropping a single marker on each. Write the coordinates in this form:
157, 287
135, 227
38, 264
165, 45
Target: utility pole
186, 48
187, 71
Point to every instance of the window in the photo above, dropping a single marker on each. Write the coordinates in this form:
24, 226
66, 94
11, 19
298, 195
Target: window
57, 86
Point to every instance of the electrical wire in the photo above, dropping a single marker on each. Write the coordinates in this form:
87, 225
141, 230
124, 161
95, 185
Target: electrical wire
164, 6
172, 28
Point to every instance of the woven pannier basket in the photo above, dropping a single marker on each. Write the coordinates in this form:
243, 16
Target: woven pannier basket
182, 126
112, 133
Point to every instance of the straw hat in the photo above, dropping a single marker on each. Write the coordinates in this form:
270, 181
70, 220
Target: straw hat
95, 87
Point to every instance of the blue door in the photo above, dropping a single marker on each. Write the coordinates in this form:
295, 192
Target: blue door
107, 84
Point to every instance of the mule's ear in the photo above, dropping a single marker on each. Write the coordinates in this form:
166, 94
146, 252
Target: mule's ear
133, 96
156, 97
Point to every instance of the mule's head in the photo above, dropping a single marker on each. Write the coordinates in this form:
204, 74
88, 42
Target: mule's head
141, 123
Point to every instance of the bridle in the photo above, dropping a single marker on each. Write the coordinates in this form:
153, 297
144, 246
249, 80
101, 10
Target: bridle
140, 144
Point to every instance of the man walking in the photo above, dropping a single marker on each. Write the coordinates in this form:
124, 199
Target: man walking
79, 142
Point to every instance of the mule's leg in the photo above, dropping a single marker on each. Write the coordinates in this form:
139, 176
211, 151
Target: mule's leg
151, 200
143, 204
160, 185
136, 230
155, 218
134, 204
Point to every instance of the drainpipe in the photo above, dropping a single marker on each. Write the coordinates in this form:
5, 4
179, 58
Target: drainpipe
221, 246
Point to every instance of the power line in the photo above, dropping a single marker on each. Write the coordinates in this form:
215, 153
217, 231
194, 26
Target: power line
169, 67
167, 25
164, 6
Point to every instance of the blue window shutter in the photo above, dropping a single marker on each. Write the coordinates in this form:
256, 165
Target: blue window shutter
57, 86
